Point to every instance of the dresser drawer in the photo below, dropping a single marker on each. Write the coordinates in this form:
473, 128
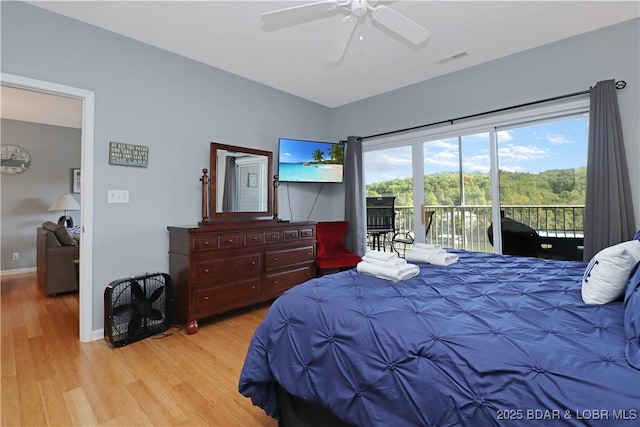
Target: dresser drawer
306, 233
272, 236
230, 240
217, 298
253, 238
287, 257
204, 243
279, 282
291, 234
221, 268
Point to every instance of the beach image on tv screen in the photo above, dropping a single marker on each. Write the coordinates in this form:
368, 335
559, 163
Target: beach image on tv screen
310, 161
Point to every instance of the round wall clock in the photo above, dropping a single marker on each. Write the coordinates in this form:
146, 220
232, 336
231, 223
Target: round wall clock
14, 159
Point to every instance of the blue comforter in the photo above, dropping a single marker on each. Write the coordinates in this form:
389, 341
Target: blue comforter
490, 340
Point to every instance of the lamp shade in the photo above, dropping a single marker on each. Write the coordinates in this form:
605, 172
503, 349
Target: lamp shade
65, 202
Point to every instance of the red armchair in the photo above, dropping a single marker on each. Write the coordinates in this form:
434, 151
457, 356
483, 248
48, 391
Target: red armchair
332, 255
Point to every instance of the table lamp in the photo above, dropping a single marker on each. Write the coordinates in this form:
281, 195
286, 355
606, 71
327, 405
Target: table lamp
65, 202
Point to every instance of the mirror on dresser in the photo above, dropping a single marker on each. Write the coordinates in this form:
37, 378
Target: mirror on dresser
240, 182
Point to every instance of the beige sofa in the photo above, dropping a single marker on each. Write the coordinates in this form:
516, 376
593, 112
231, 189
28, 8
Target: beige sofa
57, 249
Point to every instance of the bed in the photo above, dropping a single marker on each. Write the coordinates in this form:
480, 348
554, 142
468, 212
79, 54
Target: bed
489, 340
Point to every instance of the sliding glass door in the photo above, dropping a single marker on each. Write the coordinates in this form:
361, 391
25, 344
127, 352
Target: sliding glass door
388, 172
450, 187
457, 190
543, 176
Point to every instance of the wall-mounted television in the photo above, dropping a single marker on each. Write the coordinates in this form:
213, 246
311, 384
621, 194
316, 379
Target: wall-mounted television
310, 161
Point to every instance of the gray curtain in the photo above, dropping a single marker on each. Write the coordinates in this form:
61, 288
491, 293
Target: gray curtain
228, 197
354, 214
608, 217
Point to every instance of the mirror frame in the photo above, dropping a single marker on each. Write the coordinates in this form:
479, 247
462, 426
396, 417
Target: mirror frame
214, 173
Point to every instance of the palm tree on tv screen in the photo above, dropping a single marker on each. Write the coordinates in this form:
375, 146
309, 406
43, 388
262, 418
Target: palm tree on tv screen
318, 155
337, 153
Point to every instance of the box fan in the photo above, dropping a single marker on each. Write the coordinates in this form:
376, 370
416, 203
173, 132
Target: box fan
137, 307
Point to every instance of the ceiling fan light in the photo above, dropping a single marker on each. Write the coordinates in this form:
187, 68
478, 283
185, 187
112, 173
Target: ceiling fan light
358, 8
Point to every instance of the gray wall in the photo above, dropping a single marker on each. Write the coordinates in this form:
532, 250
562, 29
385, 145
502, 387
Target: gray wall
147, 96
568, 66
26, 197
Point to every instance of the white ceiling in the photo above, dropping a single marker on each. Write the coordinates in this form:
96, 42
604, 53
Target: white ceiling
229, 35
39, 107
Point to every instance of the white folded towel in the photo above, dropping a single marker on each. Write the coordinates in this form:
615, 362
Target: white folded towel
382, 256
426, 246
443, 259
395, 274
428, 251
390, 263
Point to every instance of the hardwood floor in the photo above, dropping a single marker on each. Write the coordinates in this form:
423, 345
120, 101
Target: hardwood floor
50, 378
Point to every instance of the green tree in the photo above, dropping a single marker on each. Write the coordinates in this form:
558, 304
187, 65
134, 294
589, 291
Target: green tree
559, 187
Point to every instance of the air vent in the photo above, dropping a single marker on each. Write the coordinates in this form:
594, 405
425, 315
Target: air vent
453, 57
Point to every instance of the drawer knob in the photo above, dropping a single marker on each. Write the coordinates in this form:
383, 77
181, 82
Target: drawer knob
253, 263
230, 240
308, 253
275, 282
255, 237
276, 259
253, 287
206, 298
206, 270
206, 242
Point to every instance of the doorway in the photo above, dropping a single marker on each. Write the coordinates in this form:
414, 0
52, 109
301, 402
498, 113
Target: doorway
86, 199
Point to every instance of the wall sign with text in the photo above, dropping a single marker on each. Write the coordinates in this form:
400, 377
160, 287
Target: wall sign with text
128, 154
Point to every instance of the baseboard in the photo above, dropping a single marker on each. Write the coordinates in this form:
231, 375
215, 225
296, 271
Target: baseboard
17, 271
97, 335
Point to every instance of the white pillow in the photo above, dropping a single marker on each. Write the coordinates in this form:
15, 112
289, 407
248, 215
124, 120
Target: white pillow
608, 272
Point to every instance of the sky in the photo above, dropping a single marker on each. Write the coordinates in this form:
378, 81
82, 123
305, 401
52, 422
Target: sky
295, 151
535, 148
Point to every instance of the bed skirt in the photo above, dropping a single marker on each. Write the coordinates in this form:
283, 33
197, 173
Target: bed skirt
296, 412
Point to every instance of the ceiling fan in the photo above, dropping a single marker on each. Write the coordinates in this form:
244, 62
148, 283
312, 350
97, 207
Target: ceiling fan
381, 14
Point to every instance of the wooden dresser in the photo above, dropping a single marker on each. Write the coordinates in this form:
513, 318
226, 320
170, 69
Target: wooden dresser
222, 266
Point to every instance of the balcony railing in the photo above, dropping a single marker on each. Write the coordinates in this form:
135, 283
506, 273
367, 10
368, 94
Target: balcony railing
465, 227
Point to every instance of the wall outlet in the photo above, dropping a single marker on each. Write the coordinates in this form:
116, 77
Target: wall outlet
16, 255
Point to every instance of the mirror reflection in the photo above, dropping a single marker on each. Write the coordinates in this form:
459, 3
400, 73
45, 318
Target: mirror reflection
242, 181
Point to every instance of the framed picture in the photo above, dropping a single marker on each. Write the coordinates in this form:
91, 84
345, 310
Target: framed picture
75, 183
252, 180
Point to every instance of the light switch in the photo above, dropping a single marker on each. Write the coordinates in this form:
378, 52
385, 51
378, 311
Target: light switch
117, 196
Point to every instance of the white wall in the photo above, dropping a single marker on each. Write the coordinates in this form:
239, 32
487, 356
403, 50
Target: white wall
564, 67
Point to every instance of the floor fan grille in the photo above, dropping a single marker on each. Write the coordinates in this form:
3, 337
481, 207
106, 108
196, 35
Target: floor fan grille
137, 307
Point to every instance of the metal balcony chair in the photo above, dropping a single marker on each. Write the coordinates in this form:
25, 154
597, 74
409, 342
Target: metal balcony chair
381, 216
405, 239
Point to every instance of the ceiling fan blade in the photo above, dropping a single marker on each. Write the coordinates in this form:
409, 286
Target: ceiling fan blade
400, 24
341, 38
298, 14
